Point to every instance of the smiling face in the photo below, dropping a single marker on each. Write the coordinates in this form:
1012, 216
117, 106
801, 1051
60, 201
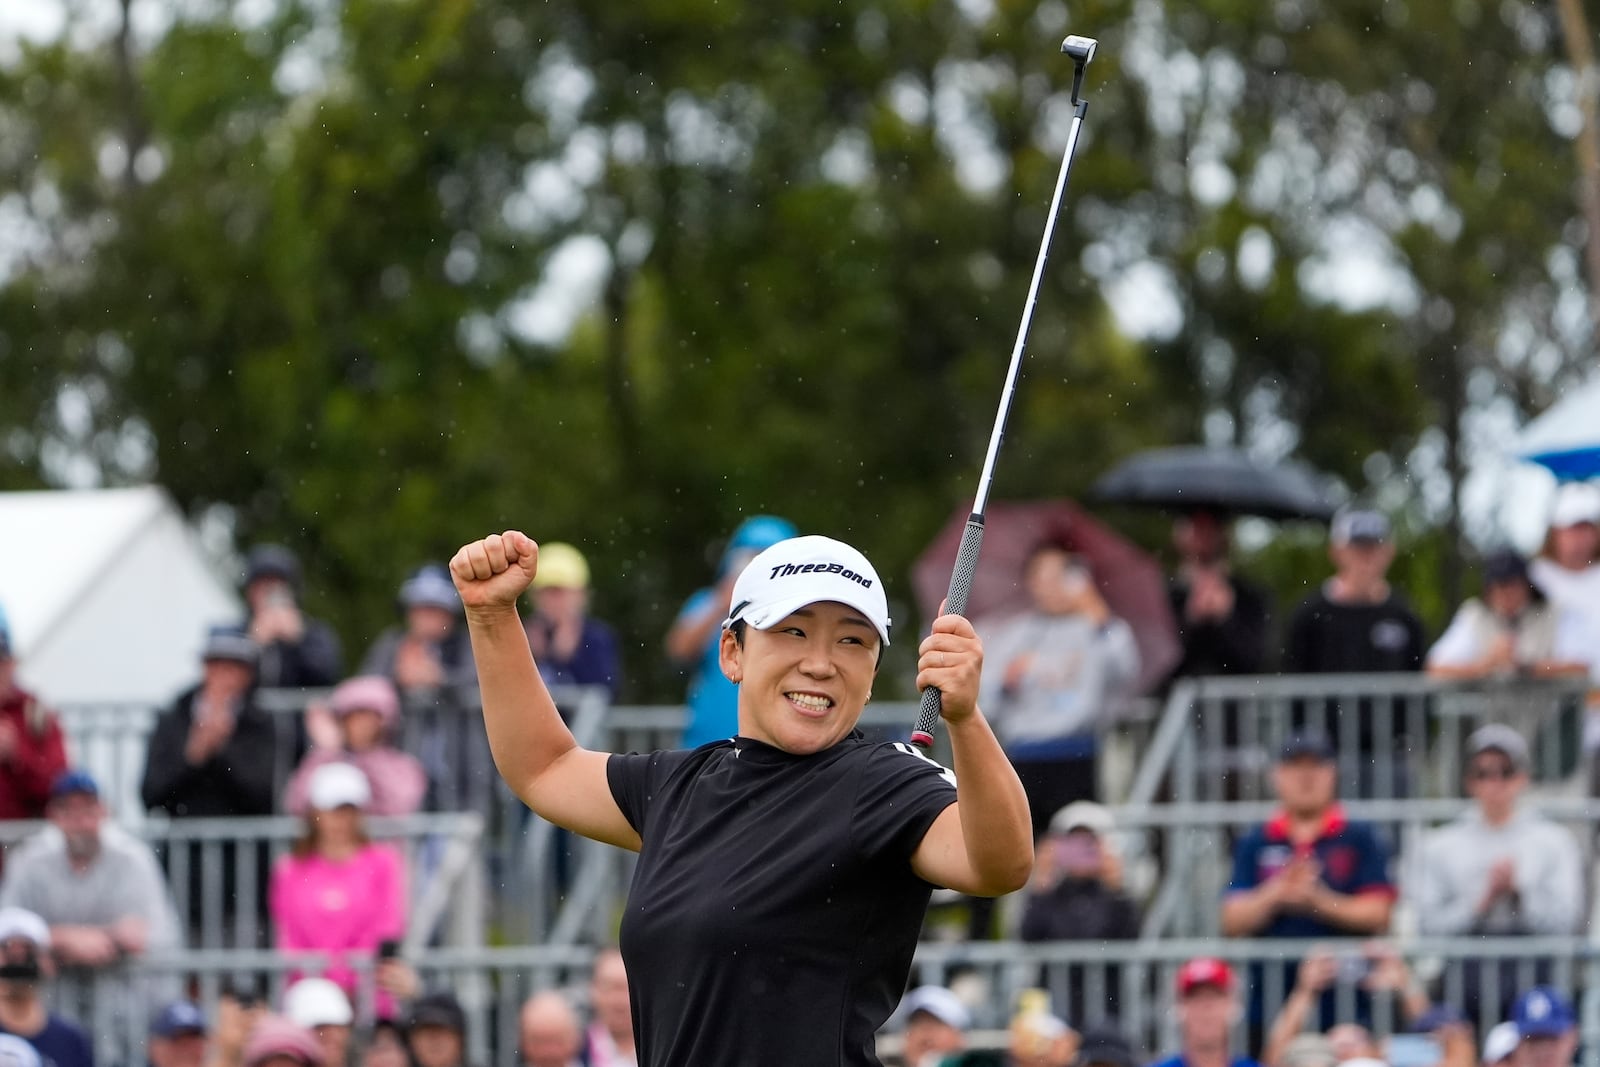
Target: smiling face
804, 682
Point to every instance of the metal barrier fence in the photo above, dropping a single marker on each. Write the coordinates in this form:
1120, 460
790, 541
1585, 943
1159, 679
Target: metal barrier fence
545, 885
218, 871
1128, 983
1397, 735
1194, 845
1212, 741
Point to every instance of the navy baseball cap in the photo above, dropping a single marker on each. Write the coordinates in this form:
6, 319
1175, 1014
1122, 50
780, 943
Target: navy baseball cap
1313, 744
1504, 565
74, 781
1359, 526
1543, 1012
179, 1017
230, 643
438, 1009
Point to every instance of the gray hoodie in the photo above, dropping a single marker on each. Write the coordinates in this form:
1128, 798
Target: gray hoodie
1077, 679
1453, 871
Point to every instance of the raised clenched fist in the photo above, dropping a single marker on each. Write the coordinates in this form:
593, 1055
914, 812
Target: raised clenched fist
493, 572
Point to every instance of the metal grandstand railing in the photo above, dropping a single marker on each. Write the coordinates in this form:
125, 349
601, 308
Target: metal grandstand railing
1211, 742
1195, 844
1397, 734
1216, 739
1129, 983
218, 871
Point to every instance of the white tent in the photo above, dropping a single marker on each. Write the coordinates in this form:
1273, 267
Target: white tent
107, 593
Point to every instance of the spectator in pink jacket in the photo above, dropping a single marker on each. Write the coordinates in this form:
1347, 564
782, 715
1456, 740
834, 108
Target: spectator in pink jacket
363, 713
338, 892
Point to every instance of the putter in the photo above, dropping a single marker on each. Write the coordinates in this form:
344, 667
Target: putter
1081, 49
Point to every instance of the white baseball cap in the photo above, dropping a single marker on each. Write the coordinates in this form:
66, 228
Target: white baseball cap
1576, 502
807, 570
314, 1002
22, 923
1083, 815
1501, 1041
333, 785
15, 1052
940, 1003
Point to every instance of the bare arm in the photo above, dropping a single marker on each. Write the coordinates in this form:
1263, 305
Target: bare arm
533, 749
983, 843
688, 636
1362, 913
1248, 911
1317, 972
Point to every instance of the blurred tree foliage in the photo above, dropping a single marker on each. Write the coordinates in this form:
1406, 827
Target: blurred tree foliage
279, 258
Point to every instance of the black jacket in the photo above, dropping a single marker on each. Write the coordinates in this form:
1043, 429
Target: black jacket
236, 780
1080, 909
314, 661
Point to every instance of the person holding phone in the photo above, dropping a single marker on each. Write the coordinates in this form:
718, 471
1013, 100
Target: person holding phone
1063, 670
1076, 894
296, 649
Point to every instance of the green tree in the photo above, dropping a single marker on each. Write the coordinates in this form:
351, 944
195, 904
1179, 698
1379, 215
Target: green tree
280, 267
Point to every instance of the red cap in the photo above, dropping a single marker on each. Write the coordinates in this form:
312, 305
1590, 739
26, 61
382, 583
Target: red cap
1204, 971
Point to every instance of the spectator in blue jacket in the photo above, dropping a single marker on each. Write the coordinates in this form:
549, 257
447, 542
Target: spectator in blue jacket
696, 634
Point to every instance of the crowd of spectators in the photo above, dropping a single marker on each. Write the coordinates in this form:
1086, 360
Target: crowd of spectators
85, 894
1206, 1006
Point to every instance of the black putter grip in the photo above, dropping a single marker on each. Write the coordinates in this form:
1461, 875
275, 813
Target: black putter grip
955, 604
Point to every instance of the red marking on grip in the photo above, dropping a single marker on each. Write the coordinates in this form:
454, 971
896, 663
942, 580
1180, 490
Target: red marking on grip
921, 738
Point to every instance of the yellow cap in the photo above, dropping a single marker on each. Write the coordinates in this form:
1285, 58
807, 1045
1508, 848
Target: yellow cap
561, 567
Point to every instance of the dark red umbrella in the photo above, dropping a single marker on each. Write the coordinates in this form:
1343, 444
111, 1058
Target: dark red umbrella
1127, 576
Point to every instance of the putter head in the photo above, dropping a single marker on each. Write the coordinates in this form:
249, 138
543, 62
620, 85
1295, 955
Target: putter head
1081, 49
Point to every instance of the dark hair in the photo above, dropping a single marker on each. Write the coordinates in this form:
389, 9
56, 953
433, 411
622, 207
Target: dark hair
1048, 543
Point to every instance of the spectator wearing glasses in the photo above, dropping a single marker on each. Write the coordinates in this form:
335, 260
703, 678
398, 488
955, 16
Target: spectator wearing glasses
1501, 869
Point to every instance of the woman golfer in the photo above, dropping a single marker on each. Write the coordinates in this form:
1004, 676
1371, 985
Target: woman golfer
783, 873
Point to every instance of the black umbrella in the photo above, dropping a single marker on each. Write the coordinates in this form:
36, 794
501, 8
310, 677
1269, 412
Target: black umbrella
1224, 480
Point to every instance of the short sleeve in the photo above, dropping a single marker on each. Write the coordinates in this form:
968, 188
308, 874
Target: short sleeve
636, 777
901, 792
1373, 871
1244, 863
1457, 647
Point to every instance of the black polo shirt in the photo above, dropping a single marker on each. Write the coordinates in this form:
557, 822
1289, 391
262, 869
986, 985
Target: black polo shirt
773, 913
